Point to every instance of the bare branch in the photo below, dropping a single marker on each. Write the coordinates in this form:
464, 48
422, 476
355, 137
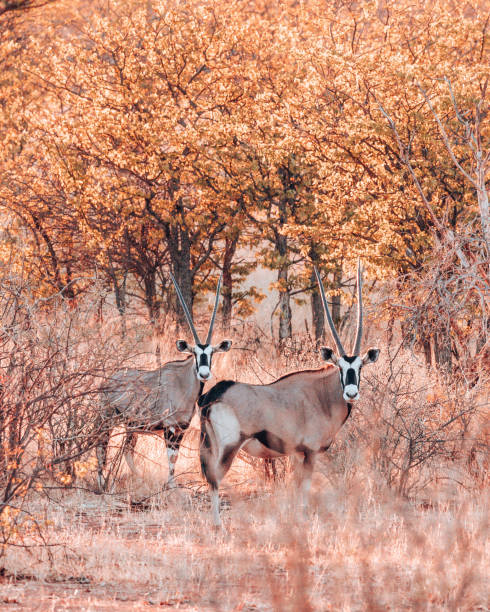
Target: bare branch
446, 140
405, 159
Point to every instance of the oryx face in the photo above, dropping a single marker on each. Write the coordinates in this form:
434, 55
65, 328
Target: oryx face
350, 370
349, 367
203, 354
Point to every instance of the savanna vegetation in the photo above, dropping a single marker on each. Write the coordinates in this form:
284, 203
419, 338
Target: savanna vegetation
236, 138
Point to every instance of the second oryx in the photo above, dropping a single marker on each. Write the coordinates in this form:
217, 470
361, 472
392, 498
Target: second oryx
299, 413
160, 401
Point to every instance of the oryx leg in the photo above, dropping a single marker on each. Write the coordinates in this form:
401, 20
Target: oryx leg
220, 441
173, 438
101, 453
129, 445
304, 472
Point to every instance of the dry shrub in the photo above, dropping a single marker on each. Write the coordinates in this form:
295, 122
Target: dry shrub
411, 433
442, 308
52, 360
357, 549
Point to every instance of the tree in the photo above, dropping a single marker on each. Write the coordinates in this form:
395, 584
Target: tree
131, 98
11, 6
370, 55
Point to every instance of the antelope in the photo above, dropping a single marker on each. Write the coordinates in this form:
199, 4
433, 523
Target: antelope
158, 401
298, 414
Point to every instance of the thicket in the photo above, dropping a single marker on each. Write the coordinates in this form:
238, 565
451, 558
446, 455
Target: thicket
199, 138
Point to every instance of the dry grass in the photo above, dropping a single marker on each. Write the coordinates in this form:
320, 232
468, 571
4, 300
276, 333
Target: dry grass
360, 546
357, 549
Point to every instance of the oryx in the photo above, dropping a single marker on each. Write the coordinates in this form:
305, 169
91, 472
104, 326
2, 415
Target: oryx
299, 413
158, 401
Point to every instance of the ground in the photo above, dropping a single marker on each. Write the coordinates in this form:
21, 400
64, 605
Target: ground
358, 547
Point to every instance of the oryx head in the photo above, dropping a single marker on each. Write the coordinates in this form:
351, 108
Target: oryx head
349, 365
202, 351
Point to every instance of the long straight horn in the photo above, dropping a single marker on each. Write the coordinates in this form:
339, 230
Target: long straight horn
329, 316
357, 343
185, 309
211, 325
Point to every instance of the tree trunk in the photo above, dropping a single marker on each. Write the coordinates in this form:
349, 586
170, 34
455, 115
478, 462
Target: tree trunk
442, 351
482, 195
317, 314
482, 335
180, 258
3, 421
119, 294
152, 305
179, 248
227, 292
336, 302
119, 290
426, 343
285, 327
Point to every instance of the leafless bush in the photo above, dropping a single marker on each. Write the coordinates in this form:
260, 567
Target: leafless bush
52, 358
443, 308
413, 429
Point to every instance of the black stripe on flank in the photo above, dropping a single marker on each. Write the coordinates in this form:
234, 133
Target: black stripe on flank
301, 448
270, 441
214, 393
228, 455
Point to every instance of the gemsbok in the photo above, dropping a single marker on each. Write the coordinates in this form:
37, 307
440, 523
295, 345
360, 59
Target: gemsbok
160, 401
299, 413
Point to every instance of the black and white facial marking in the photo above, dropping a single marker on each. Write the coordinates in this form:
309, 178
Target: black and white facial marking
350, 376
350, 370
203, 354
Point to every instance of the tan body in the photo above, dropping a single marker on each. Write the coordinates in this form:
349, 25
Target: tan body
299, 413
153, 398
157, 401
304, 409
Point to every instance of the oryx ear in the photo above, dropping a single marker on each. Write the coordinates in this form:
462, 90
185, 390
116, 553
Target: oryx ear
328, 354
222, 347
371, 356
183, 347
